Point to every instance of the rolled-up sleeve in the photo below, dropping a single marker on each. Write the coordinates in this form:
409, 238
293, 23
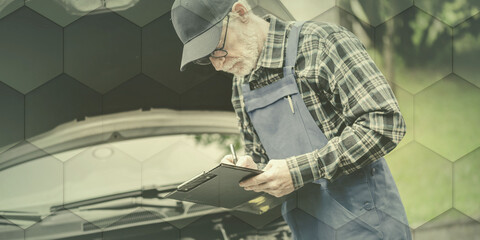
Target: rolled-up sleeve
367, 103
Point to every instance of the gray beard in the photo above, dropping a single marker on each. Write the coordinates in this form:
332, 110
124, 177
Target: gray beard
250, 55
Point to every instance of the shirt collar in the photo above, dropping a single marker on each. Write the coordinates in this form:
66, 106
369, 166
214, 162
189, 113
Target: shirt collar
272, 55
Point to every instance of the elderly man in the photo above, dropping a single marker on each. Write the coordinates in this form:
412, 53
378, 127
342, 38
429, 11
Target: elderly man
314, 108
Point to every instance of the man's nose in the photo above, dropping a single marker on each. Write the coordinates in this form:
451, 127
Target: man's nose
217, 63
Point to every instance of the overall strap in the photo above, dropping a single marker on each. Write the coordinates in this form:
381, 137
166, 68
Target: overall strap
292, 48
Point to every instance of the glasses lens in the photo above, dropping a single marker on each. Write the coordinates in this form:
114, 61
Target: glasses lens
202, 61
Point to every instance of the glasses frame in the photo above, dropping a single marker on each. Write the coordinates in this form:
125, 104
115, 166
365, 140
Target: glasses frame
214, 54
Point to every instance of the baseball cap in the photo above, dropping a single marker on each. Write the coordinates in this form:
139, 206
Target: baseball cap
199, 24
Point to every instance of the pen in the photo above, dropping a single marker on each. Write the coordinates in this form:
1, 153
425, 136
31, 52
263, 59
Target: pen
232, 149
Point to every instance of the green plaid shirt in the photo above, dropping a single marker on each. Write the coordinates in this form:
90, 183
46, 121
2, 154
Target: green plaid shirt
346, 94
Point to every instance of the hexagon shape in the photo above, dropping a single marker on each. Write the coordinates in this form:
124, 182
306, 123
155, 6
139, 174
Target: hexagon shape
349, 230
466, 182
308, 199
8, 6
102, 50
19, 153
161, 53
424, 180
28, 39
63, 12
142, 150
375, 12
140, 92
6, 147
9, 230
322, 226
305, 10
362, 30
450, 12
152, 228
12, 119
450, 225
414, 50
446, 117
159, 169
352, 205
466, 50
64, 156
63, 225
141, 12
40, 179
61, 100
391, 226
99, 171
161, 165
200, 97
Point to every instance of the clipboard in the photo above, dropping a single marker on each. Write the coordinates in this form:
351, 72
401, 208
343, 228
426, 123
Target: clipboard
219, 187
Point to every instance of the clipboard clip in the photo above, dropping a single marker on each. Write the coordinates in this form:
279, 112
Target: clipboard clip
195, 182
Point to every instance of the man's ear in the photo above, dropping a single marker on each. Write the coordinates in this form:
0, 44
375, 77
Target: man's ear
241, 10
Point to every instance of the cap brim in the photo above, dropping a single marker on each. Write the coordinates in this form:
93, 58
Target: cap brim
202, 45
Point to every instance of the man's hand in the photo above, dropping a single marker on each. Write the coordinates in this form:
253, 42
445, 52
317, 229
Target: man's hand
243, 161
276, 180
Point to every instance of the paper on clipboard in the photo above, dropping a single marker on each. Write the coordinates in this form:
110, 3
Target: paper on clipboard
219, 187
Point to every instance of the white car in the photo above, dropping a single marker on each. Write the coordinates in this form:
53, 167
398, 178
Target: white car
106, 177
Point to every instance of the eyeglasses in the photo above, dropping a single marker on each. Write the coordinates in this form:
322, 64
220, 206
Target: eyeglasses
217, 53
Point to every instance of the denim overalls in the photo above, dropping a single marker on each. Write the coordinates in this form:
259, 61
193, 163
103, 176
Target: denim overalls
362, 205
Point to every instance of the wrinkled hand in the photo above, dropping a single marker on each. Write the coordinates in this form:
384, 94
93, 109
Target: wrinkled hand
243, 161
275, 180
